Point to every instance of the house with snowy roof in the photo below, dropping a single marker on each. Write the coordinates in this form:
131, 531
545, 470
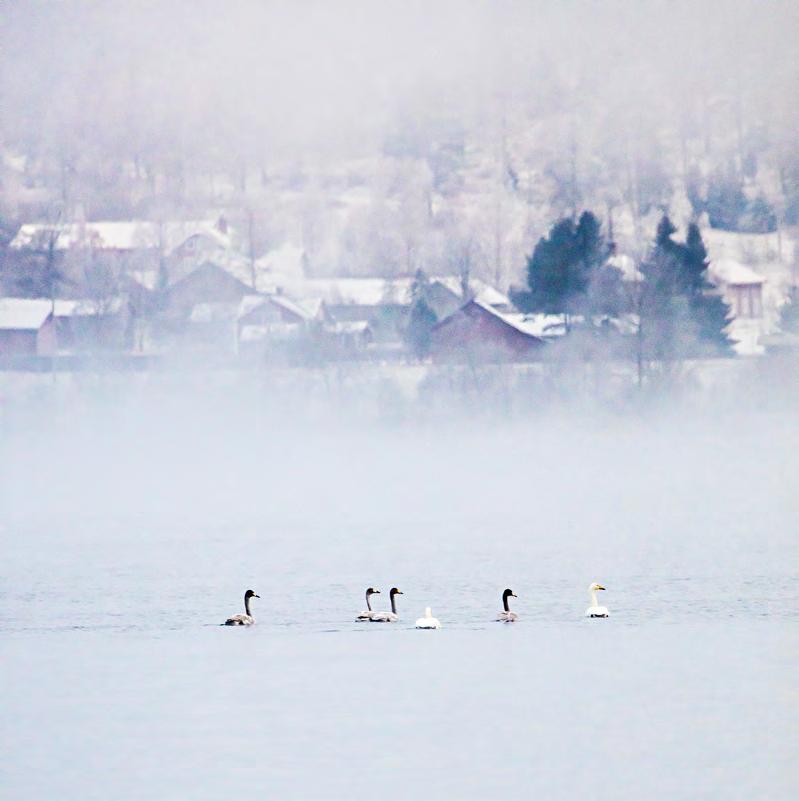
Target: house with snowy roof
477, 332
37, 326
27, 328
447, 293
92, 324
130, 247
206, 283
124, 236
384, 303
742, 288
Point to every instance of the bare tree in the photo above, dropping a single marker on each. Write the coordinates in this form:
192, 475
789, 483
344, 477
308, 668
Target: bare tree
46, 277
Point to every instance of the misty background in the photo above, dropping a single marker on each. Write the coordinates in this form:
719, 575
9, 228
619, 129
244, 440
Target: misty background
387, 137
136, 506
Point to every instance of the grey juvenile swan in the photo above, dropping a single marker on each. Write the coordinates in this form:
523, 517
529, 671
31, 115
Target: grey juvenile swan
368, 613
388, 617
246, 619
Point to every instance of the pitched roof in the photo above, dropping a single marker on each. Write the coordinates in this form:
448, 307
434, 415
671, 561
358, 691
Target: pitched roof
251, 302
86, 307
23, 314
357, 291
117, 235
483, 292
513, 320
733, 273
388, 291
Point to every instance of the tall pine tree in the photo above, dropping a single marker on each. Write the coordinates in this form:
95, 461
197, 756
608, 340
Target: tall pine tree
682, 313
708, 309
563, 268
421, 318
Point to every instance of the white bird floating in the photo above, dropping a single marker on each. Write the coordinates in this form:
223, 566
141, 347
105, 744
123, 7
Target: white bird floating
246, 619
388, 617
506, 616
428, 621
368, 613
595, 610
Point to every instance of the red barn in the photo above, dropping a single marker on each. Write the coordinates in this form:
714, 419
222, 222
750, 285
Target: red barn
478, 332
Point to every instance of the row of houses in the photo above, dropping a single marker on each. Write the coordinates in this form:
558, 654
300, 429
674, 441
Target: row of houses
209, 311
184, 288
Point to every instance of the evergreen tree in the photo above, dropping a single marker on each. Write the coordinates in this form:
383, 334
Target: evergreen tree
421, 318
708, 309
680, 310
663, 315
695, 261
420, 324
550, 270
563, 267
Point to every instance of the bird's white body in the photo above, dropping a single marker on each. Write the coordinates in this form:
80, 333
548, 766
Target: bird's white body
595, 610
506, 616
246, 619
428, 621
384, 617
368, 613
388, 617
240, 620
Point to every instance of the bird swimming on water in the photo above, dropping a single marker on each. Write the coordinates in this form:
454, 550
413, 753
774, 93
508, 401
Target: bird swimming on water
246, 619
392, 616
428, 621
506, 616
595, 610
368, 613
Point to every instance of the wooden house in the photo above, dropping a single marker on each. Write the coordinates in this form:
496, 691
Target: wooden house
208, 283
27, 328
479, 333
89, 325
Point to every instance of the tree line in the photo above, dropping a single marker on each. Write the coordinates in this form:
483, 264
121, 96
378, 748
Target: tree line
670, 300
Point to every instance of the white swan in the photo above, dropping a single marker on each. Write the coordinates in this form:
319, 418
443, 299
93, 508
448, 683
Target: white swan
246, 619
595, 610
388, 617
428, 621
368, 613
506, 616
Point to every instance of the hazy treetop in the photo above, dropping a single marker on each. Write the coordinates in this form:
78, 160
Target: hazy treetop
283, 76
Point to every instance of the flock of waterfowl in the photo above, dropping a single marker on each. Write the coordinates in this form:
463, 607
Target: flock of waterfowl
428, 621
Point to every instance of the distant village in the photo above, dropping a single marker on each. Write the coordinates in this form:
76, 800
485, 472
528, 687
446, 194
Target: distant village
142, 293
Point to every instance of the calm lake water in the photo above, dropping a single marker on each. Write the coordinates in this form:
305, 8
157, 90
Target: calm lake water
125, 546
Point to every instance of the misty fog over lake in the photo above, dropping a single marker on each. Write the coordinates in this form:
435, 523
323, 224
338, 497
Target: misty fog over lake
132, 526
